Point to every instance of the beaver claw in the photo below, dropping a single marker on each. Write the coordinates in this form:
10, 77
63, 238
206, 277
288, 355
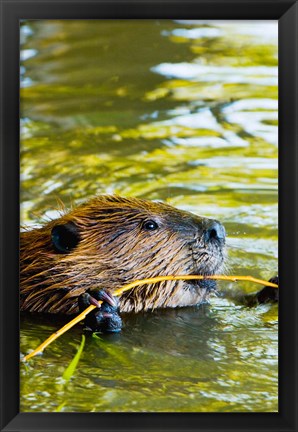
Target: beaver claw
105, 318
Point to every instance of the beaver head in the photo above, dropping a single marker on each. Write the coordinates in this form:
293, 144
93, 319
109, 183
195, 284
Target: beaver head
110, 241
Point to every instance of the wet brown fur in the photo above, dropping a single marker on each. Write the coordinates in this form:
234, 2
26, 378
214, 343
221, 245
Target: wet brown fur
114, 249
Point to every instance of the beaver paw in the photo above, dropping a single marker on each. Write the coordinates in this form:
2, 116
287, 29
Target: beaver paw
105, 318
268, 294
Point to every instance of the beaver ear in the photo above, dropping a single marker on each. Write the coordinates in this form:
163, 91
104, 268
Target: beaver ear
65, 237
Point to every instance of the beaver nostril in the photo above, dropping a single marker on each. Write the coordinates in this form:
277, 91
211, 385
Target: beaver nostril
215, 231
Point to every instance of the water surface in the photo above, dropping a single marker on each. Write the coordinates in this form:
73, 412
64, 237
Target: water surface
183, 112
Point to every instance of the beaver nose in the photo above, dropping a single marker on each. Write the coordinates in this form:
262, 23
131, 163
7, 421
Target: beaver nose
215, 231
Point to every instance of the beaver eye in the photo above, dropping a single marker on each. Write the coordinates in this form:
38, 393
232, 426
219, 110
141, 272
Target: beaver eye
150, 225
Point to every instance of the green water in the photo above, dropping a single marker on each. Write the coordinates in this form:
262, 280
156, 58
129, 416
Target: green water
180, 111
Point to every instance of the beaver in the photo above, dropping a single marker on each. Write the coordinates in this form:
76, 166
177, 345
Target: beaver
110, 241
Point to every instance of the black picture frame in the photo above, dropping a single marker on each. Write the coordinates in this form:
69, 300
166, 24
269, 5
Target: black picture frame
286, 12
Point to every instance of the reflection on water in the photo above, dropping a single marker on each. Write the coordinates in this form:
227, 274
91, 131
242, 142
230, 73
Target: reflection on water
179, 111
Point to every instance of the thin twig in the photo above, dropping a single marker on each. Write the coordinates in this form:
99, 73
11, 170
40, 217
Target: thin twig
131, 285
58, 333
